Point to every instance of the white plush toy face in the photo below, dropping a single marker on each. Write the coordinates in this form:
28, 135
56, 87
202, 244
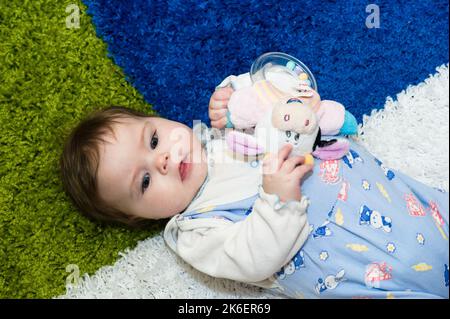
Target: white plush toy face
290, 122
294, 115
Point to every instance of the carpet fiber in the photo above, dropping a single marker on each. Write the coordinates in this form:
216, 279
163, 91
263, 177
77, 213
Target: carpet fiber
50, 77
175, 52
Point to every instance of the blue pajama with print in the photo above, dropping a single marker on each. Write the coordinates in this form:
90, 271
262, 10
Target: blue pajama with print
374, 233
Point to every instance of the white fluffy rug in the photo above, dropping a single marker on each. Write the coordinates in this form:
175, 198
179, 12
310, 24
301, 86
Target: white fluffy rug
410, 134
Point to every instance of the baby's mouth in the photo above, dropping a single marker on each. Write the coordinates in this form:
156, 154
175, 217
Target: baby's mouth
184, 168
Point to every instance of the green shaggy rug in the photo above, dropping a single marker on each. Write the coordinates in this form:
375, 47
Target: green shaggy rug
51, 76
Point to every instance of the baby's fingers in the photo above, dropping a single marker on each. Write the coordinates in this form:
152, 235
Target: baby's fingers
302, 170
272, 162
222, 93
283, 154
215, 115
221, 123
291, 163
218, 104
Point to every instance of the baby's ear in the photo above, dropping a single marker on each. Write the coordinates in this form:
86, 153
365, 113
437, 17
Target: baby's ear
243, 143
333, 149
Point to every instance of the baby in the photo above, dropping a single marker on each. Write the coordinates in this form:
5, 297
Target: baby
119, 162
347, 228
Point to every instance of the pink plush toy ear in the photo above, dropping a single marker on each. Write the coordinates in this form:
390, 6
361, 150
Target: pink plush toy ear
243, 143
249, 104
331, 115
244, 108
332, 151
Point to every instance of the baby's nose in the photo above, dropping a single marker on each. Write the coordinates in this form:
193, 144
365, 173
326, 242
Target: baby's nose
163, 163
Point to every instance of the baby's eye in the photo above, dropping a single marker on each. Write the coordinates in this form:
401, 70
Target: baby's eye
145, 182
154, 141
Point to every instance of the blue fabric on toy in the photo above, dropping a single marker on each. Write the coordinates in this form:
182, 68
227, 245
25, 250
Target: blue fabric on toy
350, 126
229, 123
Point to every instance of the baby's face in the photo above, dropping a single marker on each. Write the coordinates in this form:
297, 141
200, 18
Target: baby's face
140, 170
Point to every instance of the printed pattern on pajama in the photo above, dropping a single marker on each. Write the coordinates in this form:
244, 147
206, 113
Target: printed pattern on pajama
374, 233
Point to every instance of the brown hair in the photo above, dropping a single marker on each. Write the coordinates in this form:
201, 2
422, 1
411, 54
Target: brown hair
79, 165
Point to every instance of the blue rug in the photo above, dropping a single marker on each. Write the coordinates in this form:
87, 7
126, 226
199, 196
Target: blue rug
176, 52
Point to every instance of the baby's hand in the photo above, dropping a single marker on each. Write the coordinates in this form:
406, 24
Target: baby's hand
282, 176
218, 107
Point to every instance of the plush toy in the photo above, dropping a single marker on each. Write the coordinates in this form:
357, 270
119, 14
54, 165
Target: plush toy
294, 114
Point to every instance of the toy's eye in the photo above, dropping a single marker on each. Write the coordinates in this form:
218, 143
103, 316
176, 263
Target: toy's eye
287, 117
296, 137
288, 134
294, 100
